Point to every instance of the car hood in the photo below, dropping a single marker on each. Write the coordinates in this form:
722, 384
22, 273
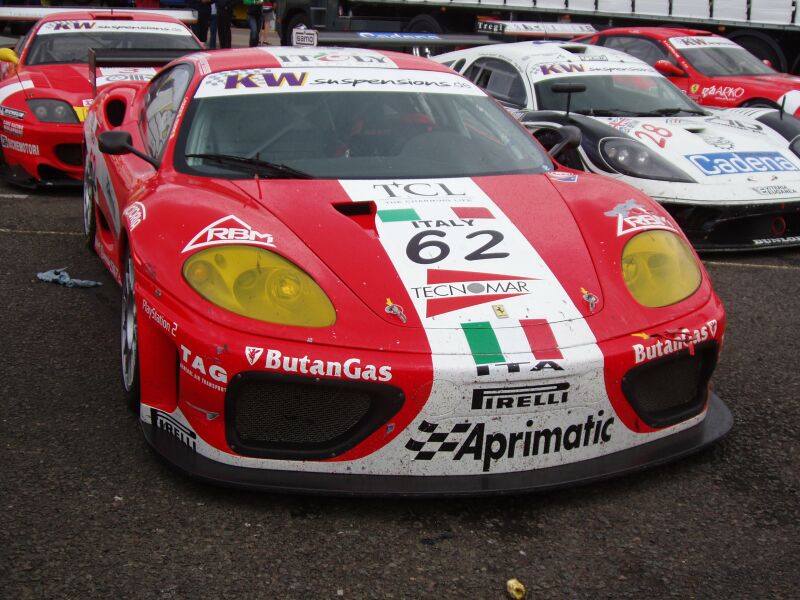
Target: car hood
445, 252
73, 82
723, 148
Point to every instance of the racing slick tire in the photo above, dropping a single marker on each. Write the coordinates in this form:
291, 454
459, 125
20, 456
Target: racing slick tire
760, 103
424, 24
89, 218
129, 336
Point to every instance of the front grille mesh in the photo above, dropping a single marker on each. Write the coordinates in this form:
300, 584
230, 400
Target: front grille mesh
295, 413
671, 389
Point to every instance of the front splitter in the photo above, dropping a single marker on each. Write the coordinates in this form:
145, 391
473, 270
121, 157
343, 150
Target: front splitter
717, 423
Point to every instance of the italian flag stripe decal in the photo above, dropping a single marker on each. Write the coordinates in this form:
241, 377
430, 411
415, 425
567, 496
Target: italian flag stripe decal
540, 337
483, 343
398, 214
486, 347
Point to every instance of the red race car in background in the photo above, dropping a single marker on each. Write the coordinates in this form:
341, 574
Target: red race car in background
711, 69
352, 271
47, 85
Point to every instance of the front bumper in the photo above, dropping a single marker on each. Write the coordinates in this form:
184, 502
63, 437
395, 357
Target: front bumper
736, 228
717, 423
46, 155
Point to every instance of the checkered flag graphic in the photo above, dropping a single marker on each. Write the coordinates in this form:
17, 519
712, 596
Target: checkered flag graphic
439, 438
219, 79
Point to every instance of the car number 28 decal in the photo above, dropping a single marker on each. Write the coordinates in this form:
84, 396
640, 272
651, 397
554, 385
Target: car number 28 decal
658, 135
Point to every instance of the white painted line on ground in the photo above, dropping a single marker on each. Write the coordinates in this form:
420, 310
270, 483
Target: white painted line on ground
36, 232
751, 265
14, 196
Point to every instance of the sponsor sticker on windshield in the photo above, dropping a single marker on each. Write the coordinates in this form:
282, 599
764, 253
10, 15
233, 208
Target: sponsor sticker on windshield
300, 79
706, 41
113, 26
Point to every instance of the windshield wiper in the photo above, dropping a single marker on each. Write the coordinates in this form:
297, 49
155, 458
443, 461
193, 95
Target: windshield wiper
231, 160
669, 112
607, 112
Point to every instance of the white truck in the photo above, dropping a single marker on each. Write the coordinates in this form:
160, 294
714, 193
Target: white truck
770, 29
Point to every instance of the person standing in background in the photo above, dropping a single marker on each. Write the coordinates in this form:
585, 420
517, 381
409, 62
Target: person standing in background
224, 16
255, 19
212, 43
203, 8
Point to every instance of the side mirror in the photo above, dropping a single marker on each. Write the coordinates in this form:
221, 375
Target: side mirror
667, 69
570, 138
767, 62
9, 56
120, 142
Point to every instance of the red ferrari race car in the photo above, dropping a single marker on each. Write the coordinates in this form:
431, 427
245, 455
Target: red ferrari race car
711, 69
47, 86
351, 271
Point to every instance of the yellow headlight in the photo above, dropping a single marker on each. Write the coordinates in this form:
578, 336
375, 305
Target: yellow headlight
659, 268
258, 284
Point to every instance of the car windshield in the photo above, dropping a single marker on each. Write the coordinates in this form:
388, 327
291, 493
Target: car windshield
74, 47
613, 95
715, 62
354, 135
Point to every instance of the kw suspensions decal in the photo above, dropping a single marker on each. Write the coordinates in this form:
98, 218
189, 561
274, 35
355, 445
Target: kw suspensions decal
495, 317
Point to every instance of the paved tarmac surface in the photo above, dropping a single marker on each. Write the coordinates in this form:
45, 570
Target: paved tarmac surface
88, 511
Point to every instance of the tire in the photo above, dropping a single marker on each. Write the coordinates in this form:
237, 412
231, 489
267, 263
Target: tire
760, 103
762, 46
424, 24
89, 216
298, 19
129, 336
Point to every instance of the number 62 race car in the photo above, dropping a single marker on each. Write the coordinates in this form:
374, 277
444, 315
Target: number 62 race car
351, 271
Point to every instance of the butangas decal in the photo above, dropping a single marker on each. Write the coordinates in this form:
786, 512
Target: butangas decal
673, 341
351, 368
632, 216
229, 230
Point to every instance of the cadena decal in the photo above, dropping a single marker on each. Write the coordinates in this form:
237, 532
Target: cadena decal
731, 163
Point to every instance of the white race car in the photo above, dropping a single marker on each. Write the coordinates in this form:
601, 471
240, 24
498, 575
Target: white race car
731, 178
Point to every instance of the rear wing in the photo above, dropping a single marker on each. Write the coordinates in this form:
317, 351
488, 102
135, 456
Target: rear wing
125, 57
420, 43
530, 29
34, 13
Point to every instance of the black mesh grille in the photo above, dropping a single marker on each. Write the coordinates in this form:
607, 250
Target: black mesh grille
288, 416
668, 390
71, 154
296, 413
